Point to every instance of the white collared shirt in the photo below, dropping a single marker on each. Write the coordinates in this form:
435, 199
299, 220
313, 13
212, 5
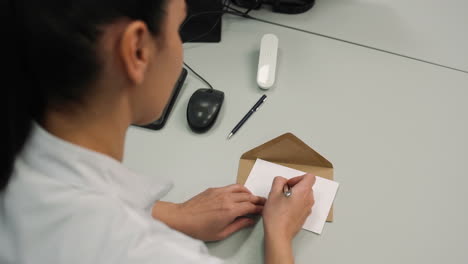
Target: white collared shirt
66, 204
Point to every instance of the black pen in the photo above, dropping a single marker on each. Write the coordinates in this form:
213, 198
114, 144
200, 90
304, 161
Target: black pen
251, 111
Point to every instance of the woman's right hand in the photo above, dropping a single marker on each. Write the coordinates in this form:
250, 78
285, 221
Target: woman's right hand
284, 216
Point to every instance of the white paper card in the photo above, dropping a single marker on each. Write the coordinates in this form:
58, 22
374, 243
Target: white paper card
262, 175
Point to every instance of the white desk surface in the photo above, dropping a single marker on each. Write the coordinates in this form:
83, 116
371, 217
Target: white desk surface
395, 130
431, 30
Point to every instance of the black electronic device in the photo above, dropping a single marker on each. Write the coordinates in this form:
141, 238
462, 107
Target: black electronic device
203, 22
203, 109
158, 124
279, 6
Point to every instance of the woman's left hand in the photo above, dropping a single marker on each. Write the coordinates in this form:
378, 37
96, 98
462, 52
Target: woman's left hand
213, 214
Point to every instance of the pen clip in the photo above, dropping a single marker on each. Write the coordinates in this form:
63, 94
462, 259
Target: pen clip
255, 110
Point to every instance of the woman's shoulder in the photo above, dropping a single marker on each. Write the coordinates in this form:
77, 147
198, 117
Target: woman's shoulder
70, 209
81, 226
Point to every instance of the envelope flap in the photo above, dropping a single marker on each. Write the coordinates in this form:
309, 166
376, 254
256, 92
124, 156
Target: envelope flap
287, 148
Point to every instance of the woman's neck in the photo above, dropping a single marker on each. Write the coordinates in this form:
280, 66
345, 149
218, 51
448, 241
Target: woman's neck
101, 129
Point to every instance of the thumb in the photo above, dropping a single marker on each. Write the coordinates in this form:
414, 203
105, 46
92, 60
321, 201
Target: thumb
238, 224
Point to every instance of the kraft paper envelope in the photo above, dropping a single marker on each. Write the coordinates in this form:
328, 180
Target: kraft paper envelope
289, 151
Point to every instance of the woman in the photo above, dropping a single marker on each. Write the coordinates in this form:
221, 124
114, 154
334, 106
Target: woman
85, 70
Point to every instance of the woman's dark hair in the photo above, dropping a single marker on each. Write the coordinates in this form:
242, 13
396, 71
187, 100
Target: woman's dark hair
51, 57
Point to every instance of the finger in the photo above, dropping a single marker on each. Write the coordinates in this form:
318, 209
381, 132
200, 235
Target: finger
245, 197
237, 188
295, 180
241, 197
307, 182
259, 200
246, 208
278, 184
238, 224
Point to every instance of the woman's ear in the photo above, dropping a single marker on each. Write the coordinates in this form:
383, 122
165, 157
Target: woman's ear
135, 50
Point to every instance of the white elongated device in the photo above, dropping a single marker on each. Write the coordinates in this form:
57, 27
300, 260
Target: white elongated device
267, 61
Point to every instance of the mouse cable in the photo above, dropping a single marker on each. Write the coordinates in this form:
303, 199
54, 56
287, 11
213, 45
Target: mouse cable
240, 13
226, 5
198, 75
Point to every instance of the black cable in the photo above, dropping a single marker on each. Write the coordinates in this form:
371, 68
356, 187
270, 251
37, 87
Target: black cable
198, 75
254, 4
227, 5
238, 12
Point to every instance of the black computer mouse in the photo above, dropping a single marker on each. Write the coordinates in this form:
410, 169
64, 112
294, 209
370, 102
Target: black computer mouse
203, 108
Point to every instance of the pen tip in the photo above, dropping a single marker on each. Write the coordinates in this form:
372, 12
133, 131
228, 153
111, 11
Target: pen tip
230, 135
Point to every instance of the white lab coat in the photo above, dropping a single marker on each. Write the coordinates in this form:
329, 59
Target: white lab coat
66, 204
